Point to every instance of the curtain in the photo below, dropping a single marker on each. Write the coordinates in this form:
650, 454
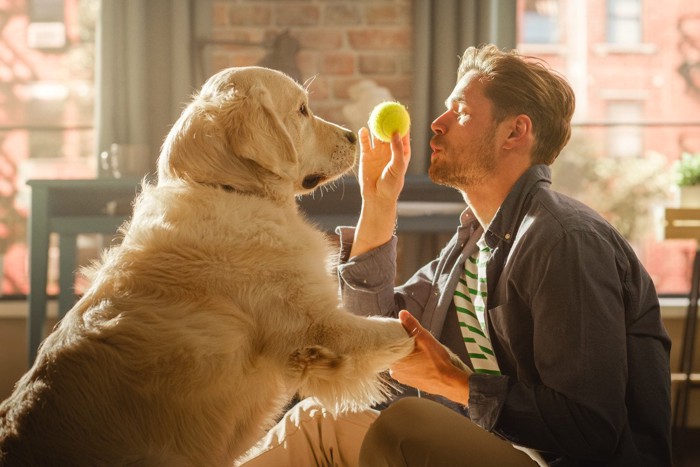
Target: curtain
145, 72
443, 29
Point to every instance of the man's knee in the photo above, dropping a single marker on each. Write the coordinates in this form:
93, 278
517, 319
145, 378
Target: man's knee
386, 439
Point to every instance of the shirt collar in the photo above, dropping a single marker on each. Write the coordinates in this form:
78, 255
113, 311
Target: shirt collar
506, 220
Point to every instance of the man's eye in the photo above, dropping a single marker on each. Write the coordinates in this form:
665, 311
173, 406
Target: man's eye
460, 110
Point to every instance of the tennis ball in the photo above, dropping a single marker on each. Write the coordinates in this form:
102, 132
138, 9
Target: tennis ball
388, 118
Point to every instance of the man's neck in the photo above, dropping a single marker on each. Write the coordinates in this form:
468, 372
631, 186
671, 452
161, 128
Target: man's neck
486, 197
484, 203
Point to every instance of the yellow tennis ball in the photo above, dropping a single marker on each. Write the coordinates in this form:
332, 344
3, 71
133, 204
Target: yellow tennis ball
388, 118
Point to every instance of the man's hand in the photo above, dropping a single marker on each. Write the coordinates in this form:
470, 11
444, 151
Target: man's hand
383, 166
382, 170
431, 367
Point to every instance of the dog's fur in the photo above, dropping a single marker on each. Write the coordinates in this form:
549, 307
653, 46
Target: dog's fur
217, 307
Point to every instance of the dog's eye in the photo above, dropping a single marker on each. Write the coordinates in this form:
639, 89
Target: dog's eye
303, 110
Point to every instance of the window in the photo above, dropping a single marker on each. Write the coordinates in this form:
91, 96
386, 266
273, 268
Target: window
624, 138
625, 22
46, 117
636, 114
541, 22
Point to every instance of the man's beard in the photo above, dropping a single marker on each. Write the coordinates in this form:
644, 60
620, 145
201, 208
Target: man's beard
462, 175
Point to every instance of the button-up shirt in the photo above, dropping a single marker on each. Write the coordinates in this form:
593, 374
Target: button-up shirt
572, 315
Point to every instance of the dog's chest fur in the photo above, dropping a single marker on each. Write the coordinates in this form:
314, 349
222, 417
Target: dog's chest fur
227, 241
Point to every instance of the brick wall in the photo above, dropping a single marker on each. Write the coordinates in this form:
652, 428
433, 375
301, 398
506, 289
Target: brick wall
340, 43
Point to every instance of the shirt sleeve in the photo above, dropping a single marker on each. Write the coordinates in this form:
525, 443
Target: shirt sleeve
367, 281
576, 404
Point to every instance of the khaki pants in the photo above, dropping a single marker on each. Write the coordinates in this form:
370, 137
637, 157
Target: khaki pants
411, 432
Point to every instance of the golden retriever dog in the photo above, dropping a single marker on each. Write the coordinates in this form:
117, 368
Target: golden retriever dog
218, 306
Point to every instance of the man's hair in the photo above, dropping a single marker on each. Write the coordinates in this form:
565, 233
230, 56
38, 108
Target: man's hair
517, 85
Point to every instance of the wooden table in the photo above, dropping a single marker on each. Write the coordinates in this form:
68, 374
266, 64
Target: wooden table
68, 208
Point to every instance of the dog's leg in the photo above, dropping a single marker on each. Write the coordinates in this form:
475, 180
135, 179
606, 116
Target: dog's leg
345, 367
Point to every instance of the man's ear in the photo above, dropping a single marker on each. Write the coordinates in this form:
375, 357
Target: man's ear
519, 131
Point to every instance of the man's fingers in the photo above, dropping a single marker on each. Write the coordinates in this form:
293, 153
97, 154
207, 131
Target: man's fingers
410, 323
397, 152
400, 153
365, 142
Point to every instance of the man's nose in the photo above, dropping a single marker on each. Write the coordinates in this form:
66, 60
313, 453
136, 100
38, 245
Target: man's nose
439, 125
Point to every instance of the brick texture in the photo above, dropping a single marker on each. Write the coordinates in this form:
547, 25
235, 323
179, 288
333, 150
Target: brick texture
340, 43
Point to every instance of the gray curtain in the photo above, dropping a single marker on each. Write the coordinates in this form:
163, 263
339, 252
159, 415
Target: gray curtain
443, 29
144, 70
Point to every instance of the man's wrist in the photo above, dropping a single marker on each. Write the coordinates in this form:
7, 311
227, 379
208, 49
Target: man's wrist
459, 387
376, 226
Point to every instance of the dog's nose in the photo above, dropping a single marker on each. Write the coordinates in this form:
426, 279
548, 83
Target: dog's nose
351, 136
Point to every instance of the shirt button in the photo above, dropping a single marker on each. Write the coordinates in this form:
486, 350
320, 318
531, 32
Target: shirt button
507, 236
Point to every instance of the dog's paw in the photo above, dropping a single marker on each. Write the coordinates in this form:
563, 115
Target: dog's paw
314, 358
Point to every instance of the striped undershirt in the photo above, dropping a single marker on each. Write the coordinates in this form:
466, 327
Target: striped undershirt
470, 301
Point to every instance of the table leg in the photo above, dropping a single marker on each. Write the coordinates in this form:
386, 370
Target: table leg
66, 273
680, 412
38, 239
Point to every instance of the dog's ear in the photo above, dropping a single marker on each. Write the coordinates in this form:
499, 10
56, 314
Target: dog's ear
259, 135
224, 133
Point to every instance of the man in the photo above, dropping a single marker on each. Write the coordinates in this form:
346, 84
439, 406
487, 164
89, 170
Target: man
542, 298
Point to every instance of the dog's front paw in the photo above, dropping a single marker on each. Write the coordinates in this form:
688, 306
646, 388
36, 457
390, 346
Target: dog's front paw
314, 358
